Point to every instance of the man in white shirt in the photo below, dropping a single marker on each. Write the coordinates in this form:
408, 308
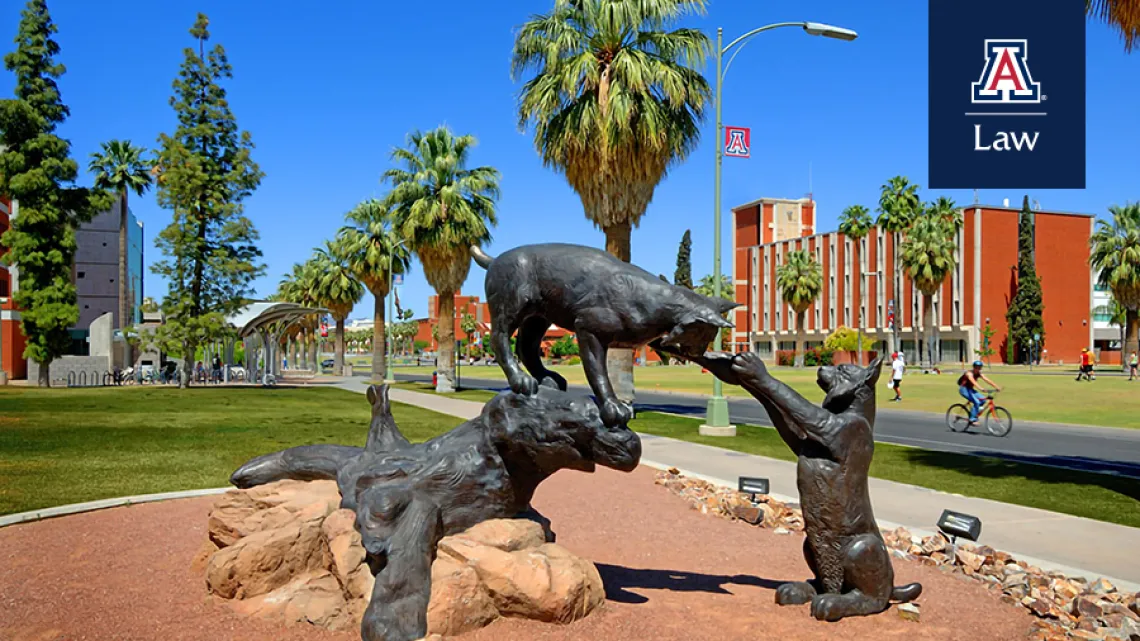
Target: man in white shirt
898, 366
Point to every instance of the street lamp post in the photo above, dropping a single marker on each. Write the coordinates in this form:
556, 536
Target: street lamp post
862, 317
716, 416
389, 377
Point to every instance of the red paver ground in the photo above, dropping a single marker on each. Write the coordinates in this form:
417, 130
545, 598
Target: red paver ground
671, 573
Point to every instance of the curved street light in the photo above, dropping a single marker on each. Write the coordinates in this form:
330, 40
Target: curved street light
716, 415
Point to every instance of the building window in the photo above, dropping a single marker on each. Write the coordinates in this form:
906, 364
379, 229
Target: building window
80, 274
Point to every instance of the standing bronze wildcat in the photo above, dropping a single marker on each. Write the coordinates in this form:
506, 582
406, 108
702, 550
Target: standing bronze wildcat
834, 445
604, 301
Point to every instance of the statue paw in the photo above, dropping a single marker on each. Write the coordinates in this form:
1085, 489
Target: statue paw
829, 607
524, 384
794, 593
615, 413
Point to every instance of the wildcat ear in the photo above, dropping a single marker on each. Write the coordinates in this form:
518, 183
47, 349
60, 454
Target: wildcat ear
873, 370
723, 305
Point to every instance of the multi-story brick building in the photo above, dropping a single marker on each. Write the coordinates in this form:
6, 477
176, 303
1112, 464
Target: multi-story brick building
467, 304
859, 281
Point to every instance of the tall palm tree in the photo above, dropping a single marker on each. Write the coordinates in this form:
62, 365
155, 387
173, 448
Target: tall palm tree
948, 211
119, 166
1115, 255
898, 206
1123, 15
615, 100
800, 280
336, 288
371, 242
442, 208
928, 257
855, 223
299, 287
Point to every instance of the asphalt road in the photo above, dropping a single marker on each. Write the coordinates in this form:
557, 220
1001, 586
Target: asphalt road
1097, 449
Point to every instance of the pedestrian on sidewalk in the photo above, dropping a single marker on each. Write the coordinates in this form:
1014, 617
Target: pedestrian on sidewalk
1133, 363
898, 366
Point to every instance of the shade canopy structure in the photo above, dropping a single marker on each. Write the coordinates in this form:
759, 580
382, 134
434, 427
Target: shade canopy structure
260, 325
264, 314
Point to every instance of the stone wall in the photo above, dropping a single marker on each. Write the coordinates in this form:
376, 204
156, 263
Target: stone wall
61, 367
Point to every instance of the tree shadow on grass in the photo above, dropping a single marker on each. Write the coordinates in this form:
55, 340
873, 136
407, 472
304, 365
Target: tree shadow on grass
985, 464
618, 580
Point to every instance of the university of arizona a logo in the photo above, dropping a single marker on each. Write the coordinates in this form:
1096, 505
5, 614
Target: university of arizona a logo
737, 142
1005, 77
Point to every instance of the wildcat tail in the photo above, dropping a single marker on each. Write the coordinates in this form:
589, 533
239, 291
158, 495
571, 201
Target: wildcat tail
906, 593
481, 257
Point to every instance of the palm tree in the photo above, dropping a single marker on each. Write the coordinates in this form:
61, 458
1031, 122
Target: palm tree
1123, 15
1115, 254
948, 211
119, 166
371, 242
855, 223
442, 208
928, 257
299, 287
1116, 315
898, 206
800, 280
336, 288
615, 100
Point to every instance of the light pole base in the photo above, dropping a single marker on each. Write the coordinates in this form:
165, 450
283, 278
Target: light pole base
712, 430
717, 422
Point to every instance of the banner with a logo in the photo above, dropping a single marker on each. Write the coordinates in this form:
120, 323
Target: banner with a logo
738, 142
1007, 94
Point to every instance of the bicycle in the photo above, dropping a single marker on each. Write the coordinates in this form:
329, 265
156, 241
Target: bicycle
998, 420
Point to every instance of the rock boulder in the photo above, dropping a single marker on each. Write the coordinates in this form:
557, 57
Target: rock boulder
286, 553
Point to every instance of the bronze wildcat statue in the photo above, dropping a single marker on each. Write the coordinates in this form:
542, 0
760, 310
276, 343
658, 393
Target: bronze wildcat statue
606, 302
834, 445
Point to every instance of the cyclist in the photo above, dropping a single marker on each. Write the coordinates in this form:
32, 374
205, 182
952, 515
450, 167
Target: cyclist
968, 388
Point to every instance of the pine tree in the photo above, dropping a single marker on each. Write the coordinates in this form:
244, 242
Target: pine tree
37, 172
205, 172
683, 277
1025, 310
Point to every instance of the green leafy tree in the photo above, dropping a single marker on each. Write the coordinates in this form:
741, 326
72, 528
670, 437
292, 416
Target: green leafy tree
898, 206
927, 255
1024, 315
948, 212
336, 288
37, 173
370, 243
468, 325
615, 98
683, 276
800, 280
1121, 15
443, 208
842, 339
1115, 256
986, 350
205, 172
855, 223
565, 346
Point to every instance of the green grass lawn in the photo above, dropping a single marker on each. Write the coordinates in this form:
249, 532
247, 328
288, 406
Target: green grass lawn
1110, 401
479, 395
1095, 496
64, 446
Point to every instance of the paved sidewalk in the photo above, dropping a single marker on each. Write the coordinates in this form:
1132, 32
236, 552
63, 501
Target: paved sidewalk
1074, 545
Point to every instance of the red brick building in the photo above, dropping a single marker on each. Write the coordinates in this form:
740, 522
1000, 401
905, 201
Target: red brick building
11, 336
858, 282
467, 304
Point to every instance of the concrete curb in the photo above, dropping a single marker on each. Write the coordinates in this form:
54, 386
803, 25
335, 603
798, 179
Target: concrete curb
102, 504
1045, 565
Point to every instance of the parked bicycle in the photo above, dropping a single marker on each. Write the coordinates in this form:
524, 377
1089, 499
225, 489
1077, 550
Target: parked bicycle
998, 421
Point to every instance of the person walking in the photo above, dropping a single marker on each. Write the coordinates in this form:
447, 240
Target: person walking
1133, 363
1086, 365
898, 366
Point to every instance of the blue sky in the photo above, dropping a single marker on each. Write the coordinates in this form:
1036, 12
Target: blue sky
327, 92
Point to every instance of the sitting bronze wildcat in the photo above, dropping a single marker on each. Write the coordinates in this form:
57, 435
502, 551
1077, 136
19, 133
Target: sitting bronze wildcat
834, 445
604, 301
